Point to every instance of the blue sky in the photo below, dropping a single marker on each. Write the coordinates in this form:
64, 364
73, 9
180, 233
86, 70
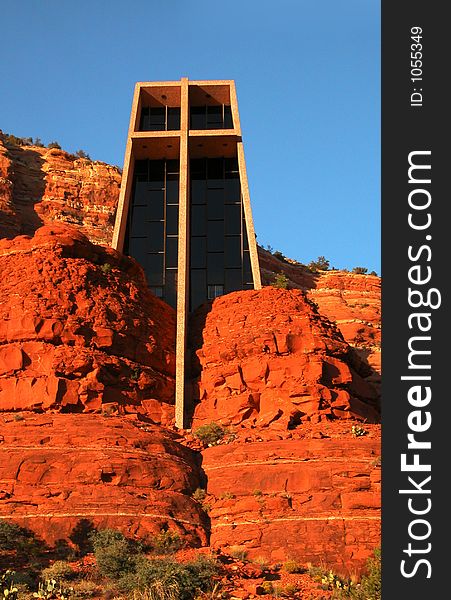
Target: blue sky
308, 82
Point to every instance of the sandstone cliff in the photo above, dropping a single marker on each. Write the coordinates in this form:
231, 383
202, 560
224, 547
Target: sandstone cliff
39, 186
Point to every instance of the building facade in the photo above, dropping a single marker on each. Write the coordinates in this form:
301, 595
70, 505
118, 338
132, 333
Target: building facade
184, 209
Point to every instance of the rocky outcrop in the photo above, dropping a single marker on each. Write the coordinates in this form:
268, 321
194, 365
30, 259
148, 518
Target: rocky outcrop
63, 474
351, 301
268, 359
315, 499
40, 186
79, 329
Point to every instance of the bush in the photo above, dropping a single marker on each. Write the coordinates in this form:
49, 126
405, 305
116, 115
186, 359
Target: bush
278, 255
320, 264
82, 154
167, 542
60, 570
280, 281
106, 267
373, 273
360, 270
370, 587
116, 555
292, 566
210, 434
199, 495
54, 145
182, 579
19, 539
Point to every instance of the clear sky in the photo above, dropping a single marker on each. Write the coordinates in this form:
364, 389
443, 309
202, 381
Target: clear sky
308, 82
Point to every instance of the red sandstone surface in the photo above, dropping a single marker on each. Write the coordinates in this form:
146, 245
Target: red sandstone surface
268, 359
57, 470
79, 329
39, 186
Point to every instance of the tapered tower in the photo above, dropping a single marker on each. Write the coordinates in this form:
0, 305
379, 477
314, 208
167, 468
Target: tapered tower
184, 209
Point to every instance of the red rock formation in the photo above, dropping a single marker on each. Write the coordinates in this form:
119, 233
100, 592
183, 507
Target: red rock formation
79, 329
315, 500
267, 358
62, 472
40, 186
351, 301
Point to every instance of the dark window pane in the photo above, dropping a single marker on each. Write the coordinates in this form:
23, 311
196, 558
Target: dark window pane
198, 168
233, 280
171, 251
231, 165
215, 184
215, 204
170, 288
228, 121
198, 117
247, 271
245, 244
156, 170
139, 223
215, 267
156, 205
172, 167
172, 189
154, 269
233, 251
138, 249
232, 190
198, 252
215, 235
215, 168
173, 118
214, 117
198, 287
141, 193
214, 291
156, 236
233, 219
157, 291
141, 167
157, 119
198, 219
172, 220
198, 191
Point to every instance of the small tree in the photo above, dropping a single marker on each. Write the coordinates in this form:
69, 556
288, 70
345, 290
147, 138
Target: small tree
82, 154
320, 264
278, 254
360, 270
54, 145
211, 433
280, 281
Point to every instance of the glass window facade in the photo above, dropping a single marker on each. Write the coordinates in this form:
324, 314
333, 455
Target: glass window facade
219, 254
218, 116
159, 118
152, 225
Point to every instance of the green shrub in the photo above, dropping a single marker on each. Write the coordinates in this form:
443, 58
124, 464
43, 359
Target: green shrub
199, 495
85, 589
182, 579
82, 154
292, 566
167, 542
358, 431
373, 273
115, 554
54, 145
360, 270
320, 264
60, 570
106, 267
280, 281
278, 255
8, 588
370, 586
211, 433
